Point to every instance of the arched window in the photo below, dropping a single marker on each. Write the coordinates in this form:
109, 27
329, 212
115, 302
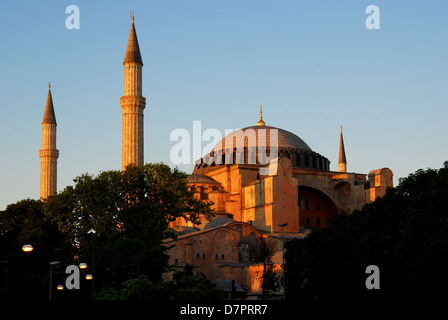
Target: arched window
308, 221
252, 240
307, 203
240, 230
315, 207
204, 194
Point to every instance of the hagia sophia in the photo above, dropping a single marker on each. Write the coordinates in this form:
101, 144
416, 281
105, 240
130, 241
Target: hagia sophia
254, 201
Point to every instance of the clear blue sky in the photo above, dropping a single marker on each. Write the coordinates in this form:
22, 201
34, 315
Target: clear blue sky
313, 65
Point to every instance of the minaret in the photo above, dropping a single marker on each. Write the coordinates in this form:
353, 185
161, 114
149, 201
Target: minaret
48, 154
342, 159
132, 103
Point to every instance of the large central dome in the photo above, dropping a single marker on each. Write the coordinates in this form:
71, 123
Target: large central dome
245, 146
260, 136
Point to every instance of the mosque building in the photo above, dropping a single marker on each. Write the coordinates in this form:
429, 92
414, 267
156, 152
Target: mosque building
266, 184
254, 202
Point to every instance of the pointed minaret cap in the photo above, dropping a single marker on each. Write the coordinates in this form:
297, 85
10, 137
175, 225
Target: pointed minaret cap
133, 50
342, 159
261, 122
49, 116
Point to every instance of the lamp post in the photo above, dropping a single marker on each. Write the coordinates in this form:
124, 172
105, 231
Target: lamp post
283, 258
282, 226
6, 271
52, 263
27, 248
92, 231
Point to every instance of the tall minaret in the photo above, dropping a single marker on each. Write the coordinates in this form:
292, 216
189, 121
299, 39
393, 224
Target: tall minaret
132, 103
48, 154
342, 159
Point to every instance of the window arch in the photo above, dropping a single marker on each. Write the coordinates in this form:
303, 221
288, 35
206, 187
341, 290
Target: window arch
240, 231
308, 221
316, 207
252, 240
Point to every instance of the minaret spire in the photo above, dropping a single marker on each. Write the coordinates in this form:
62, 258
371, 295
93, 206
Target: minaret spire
342, 159
132, 103
133, 49
48, 154
49, 116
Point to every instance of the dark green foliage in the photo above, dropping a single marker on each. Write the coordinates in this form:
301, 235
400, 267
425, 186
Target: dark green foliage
184, 286
269, 280
25, 275
115, 222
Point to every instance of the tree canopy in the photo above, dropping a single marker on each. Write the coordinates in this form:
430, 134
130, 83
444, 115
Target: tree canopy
114, 221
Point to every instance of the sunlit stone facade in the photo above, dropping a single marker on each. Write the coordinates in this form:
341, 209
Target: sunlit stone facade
282, 199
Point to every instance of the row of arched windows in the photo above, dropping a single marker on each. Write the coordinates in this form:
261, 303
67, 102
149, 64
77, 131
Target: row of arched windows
317, 222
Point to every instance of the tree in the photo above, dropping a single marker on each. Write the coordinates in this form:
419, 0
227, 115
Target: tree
403, 233
140, 288
114, 221
24, 275
269, 280
184, 286
187, 286
129, 212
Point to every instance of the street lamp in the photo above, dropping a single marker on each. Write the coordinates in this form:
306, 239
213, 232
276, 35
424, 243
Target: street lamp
282, 226
92, 231
89, 277
82, 265
52, 263
27, 248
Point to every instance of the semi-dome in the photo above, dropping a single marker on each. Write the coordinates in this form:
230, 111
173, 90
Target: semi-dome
200, 179
217, 222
